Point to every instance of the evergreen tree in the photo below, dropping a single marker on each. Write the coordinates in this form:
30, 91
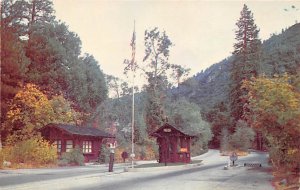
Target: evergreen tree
14, 63
40, 50
246, 62
40, 11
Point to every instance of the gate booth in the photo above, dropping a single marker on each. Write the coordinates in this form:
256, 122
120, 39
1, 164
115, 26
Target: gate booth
174, 144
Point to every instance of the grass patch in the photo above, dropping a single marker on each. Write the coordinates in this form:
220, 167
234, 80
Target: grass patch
168, 164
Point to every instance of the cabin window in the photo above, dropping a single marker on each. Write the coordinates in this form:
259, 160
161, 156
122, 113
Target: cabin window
69, 145
87, 146
57, 144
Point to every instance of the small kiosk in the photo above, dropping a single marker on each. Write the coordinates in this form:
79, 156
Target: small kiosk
174, 144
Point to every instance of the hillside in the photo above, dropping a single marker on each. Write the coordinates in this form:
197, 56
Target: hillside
280, 54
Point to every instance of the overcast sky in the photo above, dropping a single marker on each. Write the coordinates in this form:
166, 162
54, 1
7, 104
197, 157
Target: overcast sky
202, 31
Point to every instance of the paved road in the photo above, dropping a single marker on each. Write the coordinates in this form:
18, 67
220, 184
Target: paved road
209, 176
10, 178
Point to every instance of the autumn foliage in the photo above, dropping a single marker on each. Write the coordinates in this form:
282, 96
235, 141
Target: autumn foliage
274, 109
30, 153
30, 110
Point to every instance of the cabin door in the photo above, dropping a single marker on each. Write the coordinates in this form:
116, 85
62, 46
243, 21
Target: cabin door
171, 149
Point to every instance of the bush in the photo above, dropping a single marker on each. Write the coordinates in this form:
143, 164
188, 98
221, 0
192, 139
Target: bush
34, 151
243, 137
104, 154
74, 157
1, 159
225, 146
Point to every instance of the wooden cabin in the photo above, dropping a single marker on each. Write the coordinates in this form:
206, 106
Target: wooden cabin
66, 137
174, 144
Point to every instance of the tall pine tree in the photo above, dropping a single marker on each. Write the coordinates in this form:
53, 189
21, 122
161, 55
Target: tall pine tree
246, 62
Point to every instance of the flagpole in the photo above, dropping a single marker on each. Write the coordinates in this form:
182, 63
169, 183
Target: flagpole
132, 123
133, 76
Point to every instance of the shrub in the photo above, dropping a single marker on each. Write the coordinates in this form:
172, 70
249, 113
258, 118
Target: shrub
242, 138
1, 159
34, 151
225, 146
75, 157
118, 154
104, 154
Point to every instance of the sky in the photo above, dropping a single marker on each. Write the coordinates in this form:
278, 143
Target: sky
202, 31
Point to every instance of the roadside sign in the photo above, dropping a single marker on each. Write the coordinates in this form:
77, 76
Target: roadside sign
233, 157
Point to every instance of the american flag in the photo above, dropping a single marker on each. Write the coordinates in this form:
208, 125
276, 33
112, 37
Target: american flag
133, 44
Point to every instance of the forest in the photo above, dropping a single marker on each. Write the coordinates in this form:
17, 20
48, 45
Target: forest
248, 100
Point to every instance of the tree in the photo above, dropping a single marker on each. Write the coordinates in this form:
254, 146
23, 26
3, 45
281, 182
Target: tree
274, 109
187, 117
87, 86
179, 72
219, 118
14, 65
24, 14
30, 110
246, 63
224, 141
118, 87
243, 137
157, 46
113, 85
40, 11
63, 111
53, 51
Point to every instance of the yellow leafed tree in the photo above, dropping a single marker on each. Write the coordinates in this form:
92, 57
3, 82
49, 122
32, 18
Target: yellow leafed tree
31, 109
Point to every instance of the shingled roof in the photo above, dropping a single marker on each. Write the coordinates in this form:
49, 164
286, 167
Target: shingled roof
79, 130
186, 132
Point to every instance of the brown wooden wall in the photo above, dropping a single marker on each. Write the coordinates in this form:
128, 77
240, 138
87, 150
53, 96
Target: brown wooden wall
174, 149
53, 134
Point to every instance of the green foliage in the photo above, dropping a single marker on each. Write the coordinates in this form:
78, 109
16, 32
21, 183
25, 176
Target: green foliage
33, 151
246, 61
246, 34
281, 52
104, 154
179, 72
117, 112
219, 117
157, 46
54, 55
75, 156
87, 85
23, 14
187, 117
208, 88
63, 111
155, 111
224, 141
243, 137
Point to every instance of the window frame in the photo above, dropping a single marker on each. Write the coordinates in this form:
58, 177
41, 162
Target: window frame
58, 144
87, 147
68, 148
